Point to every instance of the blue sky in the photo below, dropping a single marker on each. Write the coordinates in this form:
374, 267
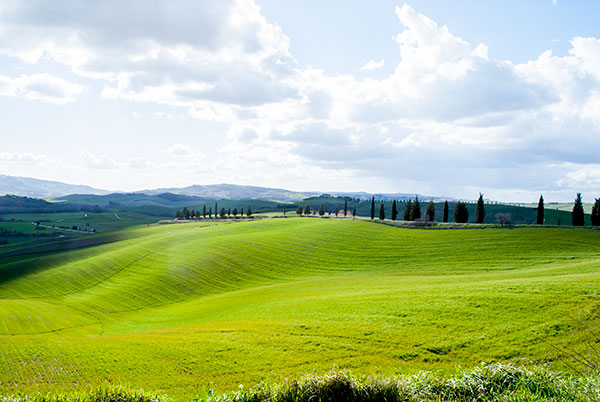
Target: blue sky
441, 98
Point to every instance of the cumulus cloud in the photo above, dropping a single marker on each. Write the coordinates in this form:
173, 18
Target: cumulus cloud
175, 52
41, 87
372, 65
179, 150
92, 161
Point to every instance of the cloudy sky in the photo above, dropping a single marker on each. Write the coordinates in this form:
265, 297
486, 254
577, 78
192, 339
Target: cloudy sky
441, 98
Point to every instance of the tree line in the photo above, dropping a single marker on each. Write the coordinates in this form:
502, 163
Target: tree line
223, 213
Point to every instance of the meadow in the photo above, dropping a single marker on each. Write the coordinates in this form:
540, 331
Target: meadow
184, 308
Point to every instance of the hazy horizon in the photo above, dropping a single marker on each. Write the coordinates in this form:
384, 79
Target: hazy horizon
387, 97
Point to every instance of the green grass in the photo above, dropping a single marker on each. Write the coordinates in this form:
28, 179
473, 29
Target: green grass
188, 307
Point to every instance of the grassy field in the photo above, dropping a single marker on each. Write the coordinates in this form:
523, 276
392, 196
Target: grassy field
204, 305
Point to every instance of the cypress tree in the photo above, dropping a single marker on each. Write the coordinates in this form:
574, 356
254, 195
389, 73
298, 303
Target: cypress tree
307, 210
228, 211
222, 213
235, 212
381, 212
242, 212
216, 210
249, 212
321, 210
479, 211
445, 217
345, 207
204, 211
354, 212
430, 212
578, 217
372, 207
210, 212
394, 210
178, 214
596, 213
461, 213
407, 210
415, 211
540, 211
193, 214
299, 210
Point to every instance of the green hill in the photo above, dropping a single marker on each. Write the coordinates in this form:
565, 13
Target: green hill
187, 307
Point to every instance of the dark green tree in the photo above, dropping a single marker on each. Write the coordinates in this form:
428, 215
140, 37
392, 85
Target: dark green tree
222, 213
345, 207
299, 210
430, 212
216, 210
578, 217
461, 213
480, 210
415, 210
241, 212
210, 212
337, 210
539, 219
249, 212
596, 213
322, 210
372, 207
235, 212
186, 213
445, 217
381, 212
407, 210
204, 211
178, 214
307, 210
193, 214
394, 210
354, 212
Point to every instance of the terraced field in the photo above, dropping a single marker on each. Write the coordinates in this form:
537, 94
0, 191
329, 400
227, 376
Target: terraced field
189, 307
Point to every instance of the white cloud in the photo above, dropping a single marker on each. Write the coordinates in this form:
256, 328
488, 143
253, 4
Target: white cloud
179, 150
91, 161
372, 65
42, 87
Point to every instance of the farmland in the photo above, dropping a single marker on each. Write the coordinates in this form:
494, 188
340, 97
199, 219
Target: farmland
187, 307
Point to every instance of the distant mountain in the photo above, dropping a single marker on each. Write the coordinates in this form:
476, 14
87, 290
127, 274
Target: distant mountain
233, 192
25, 186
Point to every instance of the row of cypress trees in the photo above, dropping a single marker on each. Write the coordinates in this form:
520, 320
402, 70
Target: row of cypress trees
577, 215
186, 213
412, 211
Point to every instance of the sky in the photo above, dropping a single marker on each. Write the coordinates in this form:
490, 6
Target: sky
428, 97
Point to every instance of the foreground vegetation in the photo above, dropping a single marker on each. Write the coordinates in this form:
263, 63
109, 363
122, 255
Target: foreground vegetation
184, 308
487, 382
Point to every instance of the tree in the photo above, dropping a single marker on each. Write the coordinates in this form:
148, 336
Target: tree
235, 212
461, 213
445, 217
322, 210
241, 212
596, 213
354, 212
210, 212
299, 210
307, 210
415, 210
372, 207
345, 207
479, 211
249, 212
578, 217
407, 210
430, 212
193, 214
204, 211
381, 212
394, 210
337, 210
216, 210
222, 213
186, 213
540, 211
178, 214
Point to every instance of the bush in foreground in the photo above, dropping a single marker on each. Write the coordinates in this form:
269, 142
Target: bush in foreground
486, 383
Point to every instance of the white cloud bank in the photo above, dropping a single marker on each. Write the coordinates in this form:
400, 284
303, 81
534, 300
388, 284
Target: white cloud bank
448, 119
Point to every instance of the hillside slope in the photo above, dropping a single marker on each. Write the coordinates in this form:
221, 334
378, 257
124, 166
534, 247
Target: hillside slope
213, 304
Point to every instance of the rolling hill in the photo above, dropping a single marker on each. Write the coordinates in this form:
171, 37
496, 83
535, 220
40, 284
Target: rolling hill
182, 308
